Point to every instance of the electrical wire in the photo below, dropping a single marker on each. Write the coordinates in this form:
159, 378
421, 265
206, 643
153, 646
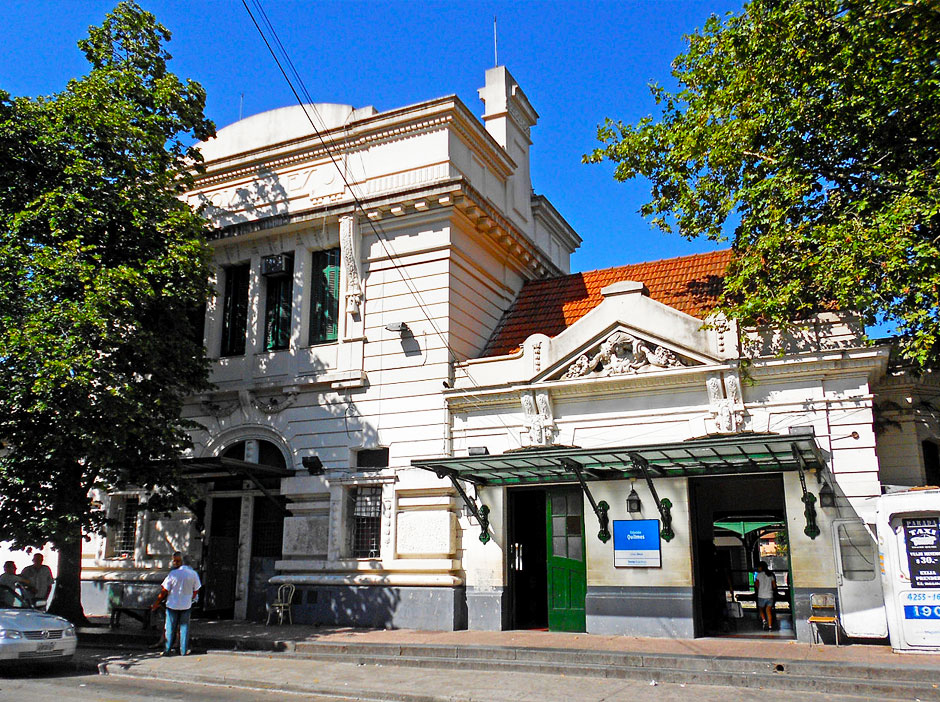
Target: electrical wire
305, 102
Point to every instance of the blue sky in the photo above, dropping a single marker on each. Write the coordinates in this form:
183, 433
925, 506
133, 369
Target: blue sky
578, 62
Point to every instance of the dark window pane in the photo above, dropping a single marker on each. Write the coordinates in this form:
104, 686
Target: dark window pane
574, 525
372, 458
324, 296
931, 463
235, 310
270, 455
235, 451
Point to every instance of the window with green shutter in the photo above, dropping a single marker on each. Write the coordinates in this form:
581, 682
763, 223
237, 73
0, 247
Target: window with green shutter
235, 310
324, 298
277, 308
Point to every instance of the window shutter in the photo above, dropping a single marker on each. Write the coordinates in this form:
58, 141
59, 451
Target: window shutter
324, 312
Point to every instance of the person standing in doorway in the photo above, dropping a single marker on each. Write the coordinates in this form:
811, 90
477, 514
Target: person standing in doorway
180, 590
765, 586
40, 578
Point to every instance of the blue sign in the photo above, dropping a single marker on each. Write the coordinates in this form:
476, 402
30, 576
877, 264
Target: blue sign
922, 611
636, 543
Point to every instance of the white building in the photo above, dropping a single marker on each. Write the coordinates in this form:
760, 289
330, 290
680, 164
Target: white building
354, 267
398, 342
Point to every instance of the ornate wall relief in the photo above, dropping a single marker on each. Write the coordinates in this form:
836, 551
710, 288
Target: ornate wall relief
726, 403
219, 409
620, 354
274, 403
538, 419
350, 243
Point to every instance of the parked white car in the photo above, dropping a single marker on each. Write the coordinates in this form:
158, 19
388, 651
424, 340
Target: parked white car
27, 635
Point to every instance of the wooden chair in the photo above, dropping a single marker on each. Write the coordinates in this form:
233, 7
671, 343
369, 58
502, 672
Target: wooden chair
823, 611
281, 605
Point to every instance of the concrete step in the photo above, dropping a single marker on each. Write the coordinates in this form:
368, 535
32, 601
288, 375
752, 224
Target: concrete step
886, 682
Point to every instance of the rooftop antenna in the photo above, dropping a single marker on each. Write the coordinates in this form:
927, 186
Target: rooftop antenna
241, 103
495, 51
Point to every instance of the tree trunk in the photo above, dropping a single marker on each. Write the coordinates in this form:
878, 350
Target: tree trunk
67, 597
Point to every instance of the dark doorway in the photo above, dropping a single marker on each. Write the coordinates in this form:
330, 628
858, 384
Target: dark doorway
221, 561
266, 543
738, 521
528, 574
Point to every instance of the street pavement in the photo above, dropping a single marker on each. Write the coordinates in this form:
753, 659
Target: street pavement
254, 676
422, 666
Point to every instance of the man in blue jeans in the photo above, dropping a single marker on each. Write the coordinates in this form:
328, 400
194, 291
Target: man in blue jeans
180, 590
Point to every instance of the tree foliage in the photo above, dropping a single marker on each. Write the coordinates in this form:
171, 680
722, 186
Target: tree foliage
807, 132
101, 266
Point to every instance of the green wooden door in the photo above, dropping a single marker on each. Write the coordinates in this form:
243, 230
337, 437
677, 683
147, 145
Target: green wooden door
567, 575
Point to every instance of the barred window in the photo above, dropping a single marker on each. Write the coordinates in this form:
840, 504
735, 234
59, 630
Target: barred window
124, 513
365, 510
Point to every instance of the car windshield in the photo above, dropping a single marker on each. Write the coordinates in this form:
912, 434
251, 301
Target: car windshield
11, 598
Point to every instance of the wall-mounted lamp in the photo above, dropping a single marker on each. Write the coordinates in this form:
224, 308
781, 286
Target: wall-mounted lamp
827, 496
313, 464
400, 327
478, 451
633, 501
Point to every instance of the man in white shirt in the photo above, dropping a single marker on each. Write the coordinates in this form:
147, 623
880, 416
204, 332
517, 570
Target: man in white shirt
40, 577
180, 590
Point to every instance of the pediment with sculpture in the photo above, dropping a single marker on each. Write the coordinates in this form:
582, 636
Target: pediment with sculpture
622, 353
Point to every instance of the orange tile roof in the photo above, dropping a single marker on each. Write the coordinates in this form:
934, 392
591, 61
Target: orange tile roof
690, 284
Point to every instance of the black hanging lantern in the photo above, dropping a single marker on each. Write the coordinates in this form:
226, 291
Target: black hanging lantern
633, 501
827, 496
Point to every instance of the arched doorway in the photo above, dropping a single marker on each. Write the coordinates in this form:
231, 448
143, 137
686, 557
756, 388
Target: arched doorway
245, 523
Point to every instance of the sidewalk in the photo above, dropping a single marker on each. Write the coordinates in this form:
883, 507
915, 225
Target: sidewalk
368, 682
240, 635
434, 666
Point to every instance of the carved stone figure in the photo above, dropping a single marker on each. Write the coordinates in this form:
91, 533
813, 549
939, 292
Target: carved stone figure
733, 386
619, 354
658, 356
578, 368
714, 390
538, 419
724, 419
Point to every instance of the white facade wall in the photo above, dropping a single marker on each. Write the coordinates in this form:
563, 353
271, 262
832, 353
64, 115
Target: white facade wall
431, 211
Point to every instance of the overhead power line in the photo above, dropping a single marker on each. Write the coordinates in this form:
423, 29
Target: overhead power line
298, 88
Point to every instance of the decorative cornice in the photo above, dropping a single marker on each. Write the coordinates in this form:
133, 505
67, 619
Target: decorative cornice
385, 127
668, 380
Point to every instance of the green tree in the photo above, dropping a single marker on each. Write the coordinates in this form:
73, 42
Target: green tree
101, 266
808, 133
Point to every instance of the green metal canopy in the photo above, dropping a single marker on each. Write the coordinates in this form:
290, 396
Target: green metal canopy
743, 527
725, 455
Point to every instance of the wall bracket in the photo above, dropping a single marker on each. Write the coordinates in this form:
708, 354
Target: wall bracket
664, 505
600, 508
